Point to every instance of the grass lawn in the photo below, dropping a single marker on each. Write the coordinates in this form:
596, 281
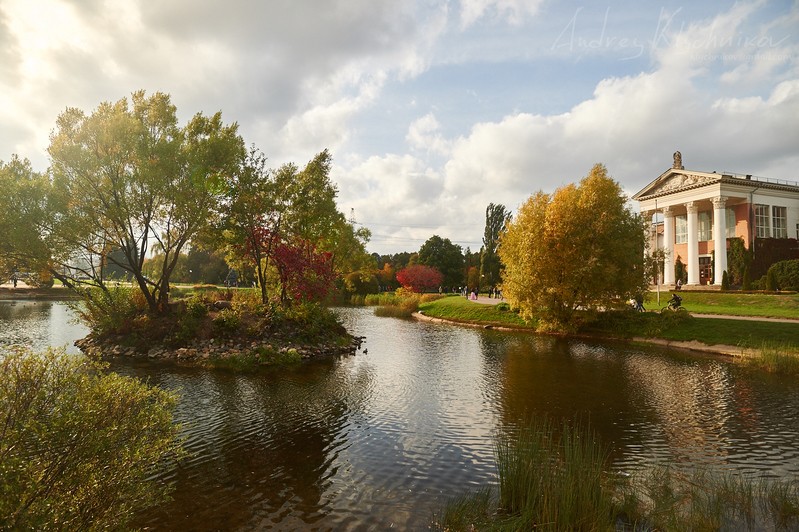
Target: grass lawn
683, 327
460, 309
627, 324
732, 303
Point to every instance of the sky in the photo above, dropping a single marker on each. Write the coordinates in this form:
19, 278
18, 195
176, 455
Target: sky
431, 109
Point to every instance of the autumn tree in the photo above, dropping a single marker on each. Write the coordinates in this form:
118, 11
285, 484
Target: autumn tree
128, 177
420, 278
580, 248
446, 257
497, 216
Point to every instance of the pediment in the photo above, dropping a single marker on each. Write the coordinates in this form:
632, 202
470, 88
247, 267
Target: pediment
675, 181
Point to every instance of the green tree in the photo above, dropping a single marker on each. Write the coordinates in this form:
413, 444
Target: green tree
497, 216
578, 249
23, 208
444, 256
207, 267
264, 208
127, 177
311, 214
249, 223
79, 446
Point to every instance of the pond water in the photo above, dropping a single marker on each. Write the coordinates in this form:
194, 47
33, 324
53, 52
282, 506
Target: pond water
384, 438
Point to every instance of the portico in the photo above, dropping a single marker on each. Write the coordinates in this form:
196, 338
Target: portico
699, 211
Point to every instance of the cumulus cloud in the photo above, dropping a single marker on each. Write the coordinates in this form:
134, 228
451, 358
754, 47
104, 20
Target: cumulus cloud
383, 84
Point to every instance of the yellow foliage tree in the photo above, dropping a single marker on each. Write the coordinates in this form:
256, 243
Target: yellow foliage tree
579, 249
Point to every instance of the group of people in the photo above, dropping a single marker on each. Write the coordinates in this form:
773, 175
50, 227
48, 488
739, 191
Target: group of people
493, 293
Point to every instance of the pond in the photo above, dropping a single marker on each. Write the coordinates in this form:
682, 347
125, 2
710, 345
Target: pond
384, 438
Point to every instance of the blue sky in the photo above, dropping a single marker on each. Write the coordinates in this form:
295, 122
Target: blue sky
432, 109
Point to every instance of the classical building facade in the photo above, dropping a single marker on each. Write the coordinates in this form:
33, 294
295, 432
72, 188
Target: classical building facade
701, 210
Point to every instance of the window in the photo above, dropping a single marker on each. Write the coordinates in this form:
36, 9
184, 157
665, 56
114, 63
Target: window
680, 229
762, 228
705, 226
780, 219
730, 214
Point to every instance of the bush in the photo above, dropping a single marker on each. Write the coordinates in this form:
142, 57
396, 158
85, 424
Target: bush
771, 280
112, 311
504, 307
78, 446
725, 281
747, 280
227, 322
785, 274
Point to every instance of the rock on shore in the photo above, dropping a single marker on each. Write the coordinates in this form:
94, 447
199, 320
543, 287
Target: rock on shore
202, 351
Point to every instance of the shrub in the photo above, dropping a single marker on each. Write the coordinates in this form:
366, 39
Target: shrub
725, 281
786, 274
110, 311
504, 307
227, 322
747, 280
78, 446
771, 280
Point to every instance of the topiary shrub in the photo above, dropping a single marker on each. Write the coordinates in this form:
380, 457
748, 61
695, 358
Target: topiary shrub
771, 280
747, 280
725, 281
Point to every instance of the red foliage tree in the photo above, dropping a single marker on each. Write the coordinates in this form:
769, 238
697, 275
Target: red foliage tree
305, 274
420, 278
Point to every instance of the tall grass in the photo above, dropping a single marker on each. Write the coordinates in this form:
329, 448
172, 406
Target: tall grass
777, 358
556, 477
550, 477
665, 499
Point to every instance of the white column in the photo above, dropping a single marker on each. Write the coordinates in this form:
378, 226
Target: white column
668, 245
719, 238
693, 243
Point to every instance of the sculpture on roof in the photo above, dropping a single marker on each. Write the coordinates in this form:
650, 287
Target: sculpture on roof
678, 161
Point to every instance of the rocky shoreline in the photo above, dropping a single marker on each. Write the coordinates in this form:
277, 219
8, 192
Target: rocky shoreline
206, 352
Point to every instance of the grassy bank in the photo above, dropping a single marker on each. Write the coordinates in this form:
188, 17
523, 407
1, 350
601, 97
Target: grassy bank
461, 310
732, 303
627, 324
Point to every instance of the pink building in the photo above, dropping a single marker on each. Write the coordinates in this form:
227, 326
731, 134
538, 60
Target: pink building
698, 211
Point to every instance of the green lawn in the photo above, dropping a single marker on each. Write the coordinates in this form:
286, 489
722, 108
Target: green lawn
732, 303
460, 309
669, 326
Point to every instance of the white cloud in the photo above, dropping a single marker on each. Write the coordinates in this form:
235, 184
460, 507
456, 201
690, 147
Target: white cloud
512, 11
384, 85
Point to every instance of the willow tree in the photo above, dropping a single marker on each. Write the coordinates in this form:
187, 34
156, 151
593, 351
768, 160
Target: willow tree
128, 180
579, 249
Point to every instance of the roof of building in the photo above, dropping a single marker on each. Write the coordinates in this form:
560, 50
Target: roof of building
677, 179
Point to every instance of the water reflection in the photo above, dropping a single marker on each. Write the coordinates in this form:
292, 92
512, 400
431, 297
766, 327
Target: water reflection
384, 438
39, 324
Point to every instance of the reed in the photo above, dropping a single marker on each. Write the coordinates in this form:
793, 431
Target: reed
777, 358
555, 477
